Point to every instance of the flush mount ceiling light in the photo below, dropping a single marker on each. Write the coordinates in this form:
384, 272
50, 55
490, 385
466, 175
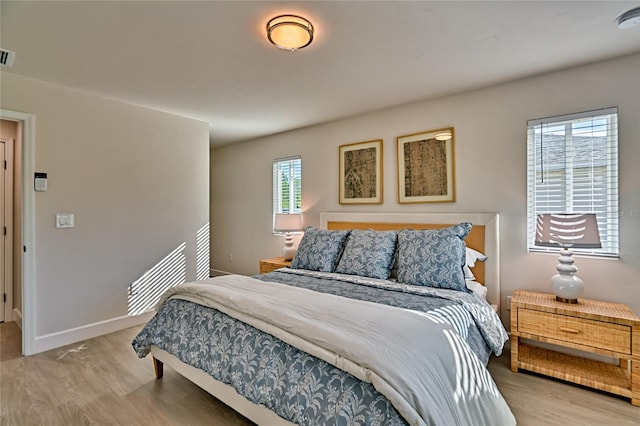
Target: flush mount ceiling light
444, 136
289, 32
629, 19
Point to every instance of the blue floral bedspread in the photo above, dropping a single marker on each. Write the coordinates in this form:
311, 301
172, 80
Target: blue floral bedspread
265, 370
451, 306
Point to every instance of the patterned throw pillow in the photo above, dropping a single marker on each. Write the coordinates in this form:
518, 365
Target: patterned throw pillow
368, 253
319, 249
433, 258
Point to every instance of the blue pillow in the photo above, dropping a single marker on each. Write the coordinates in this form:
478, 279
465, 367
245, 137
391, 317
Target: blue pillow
368, 253
319, 249
434, 257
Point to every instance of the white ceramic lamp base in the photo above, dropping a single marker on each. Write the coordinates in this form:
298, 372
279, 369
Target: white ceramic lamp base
566, 285
288, 251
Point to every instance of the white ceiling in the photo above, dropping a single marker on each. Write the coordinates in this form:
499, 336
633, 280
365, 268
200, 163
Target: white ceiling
211, 60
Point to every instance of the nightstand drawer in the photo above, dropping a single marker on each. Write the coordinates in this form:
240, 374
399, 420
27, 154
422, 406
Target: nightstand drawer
595, 334
265, 267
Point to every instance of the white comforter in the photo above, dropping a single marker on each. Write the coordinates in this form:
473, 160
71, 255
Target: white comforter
421, 365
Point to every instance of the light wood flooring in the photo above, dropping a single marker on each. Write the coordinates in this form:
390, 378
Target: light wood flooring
102, 382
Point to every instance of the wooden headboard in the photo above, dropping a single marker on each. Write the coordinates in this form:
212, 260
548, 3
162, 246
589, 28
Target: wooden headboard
483, 236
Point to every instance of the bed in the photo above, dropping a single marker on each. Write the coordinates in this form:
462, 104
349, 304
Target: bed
365, 327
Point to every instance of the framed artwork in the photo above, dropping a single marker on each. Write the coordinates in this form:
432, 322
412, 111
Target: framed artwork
360, 176
425, 167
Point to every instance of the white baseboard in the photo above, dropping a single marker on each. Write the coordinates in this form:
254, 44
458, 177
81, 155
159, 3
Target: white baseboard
89, 331
17, 317
218, 272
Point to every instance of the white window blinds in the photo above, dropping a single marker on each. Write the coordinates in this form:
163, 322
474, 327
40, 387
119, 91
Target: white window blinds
572, 163
287, 185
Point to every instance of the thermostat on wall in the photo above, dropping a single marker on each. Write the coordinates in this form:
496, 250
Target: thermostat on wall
40, 182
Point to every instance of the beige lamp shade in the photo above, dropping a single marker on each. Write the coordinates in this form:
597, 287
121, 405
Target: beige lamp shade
287, 222
578, 231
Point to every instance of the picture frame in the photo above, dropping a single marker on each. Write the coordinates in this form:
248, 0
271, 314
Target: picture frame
426, 172
360, 173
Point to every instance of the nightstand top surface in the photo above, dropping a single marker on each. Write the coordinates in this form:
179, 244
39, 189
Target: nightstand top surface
277, 260
585, 308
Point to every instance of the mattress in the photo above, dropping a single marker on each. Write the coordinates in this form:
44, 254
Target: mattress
309, 388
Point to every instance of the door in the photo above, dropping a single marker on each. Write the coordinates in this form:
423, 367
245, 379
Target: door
6, 228
3, 263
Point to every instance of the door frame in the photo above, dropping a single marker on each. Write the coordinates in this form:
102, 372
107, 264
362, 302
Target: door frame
7, 314
29, 314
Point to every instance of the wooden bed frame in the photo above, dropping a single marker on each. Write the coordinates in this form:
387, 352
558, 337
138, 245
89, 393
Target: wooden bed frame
483, 237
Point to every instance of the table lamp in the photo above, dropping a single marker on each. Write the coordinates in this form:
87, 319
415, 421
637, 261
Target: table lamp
569, 231
288, 223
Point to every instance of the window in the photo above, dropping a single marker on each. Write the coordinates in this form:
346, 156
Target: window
572, 163
287, 185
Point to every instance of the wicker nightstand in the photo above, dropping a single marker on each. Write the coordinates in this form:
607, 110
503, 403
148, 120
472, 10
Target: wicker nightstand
269, 265
603, 328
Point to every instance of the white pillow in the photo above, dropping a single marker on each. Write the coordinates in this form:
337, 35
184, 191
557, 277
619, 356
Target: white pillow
472, 256
468, 275
477, 288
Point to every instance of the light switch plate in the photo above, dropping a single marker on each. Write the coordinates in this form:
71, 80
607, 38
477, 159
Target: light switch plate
64, 220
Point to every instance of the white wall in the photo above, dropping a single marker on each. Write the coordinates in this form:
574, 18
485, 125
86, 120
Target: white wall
490, 161
137, 181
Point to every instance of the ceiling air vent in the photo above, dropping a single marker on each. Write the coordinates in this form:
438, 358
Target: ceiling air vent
6, 57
